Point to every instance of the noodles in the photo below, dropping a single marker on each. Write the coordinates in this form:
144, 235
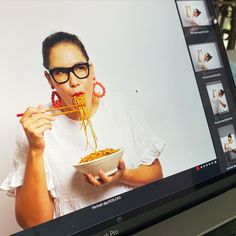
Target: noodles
98, 154
80, 103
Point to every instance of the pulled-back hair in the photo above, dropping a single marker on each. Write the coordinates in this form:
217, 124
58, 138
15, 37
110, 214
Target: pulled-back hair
197, 11
60, 37
222, 92
209, 56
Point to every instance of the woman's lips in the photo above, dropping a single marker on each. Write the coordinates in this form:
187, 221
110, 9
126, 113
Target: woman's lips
78, 94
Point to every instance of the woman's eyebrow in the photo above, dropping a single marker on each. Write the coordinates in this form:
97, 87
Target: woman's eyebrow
61, 67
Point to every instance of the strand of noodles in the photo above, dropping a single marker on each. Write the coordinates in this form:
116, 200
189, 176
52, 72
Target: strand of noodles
85, 119
88, 122
91, 128
84, 126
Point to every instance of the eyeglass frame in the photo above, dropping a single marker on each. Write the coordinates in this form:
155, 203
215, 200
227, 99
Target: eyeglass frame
68, 70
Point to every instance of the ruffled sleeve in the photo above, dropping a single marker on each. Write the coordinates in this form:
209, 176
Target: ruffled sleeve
16, 176
148, 146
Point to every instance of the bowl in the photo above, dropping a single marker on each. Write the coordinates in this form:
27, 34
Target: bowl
107, 163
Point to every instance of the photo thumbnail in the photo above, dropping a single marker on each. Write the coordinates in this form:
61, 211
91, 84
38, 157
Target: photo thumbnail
217, 97
193, 13
227, 138
205, 56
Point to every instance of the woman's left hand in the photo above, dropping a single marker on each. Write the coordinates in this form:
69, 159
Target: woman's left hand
103, 178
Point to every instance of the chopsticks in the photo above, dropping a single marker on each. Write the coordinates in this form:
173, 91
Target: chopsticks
76, 107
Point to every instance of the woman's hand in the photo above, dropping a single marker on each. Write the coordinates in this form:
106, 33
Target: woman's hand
35, 122
104, 179
144, 174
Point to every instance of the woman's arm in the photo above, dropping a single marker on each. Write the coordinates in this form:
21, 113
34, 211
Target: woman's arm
222, 103
142, 175
227, 147
214, 93
199, 51
205, 66
33, 202
187, 11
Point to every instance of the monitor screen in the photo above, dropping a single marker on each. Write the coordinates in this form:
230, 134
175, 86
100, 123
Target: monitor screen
149, 89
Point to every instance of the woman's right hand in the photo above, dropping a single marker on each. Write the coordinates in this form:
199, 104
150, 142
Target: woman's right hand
35, 122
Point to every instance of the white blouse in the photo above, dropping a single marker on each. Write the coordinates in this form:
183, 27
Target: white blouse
115, 126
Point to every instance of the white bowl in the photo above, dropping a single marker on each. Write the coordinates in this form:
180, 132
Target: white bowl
107, 163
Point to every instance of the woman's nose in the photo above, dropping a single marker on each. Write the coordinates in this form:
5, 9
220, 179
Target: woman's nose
74, 81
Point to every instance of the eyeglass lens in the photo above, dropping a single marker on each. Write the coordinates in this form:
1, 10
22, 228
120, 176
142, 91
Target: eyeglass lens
61, 75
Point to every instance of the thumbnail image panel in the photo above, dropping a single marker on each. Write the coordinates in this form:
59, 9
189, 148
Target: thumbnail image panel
193, 13
205, 56
217, 97
227, 138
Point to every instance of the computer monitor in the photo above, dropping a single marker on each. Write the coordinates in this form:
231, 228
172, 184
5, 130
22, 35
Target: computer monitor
169, 105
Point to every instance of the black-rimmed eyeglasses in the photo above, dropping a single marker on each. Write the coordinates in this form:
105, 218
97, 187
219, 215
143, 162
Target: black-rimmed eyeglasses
62, 74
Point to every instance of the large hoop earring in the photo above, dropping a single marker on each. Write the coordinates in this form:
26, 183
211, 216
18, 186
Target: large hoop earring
58, 102
101, 86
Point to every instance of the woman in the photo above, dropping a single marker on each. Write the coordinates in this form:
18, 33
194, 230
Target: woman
203, 61
43, 178
220, 100
229, 144
192, 16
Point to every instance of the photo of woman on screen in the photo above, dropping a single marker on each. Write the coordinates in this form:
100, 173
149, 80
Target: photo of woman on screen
229, 145
192, 15
203, 60
205, 56
43, 179
220, 100
217, 97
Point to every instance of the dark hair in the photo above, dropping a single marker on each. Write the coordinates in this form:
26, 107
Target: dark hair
229, 135
222, 92
197, 11
60, 37
209, 56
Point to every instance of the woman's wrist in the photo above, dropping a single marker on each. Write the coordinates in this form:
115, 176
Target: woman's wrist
35, 152
126, 176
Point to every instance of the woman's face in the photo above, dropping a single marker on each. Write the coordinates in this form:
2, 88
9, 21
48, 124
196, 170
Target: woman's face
230, 140
206, 58
195, 13
67, 55
220, 94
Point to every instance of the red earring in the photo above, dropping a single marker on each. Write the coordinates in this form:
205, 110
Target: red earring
56, 103
101, 86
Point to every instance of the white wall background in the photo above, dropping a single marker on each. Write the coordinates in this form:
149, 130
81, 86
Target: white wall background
211, 48
202, 19
133, 45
